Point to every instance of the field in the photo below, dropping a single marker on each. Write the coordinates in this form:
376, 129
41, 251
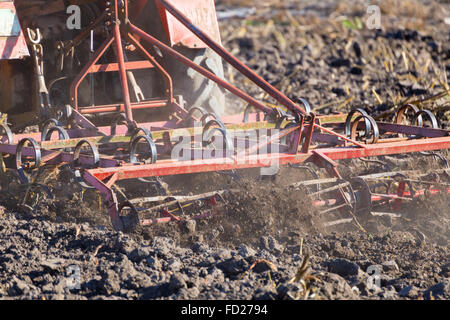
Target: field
272, 244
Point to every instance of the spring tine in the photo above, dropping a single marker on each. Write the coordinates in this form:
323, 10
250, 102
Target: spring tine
336, 187
389, 214
338, 222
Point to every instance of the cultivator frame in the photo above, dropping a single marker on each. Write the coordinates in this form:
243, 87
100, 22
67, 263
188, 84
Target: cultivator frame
271, 137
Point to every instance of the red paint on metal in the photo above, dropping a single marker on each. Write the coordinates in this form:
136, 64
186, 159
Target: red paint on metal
411, 130
203, 15
123, 74
12, 47
393, 197
84, 72
254, 118
173, 167
309, 134
136, 7
121, 107
167, 78
121, 67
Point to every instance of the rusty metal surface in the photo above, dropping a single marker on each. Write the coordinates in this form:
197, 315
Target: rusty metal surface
12, 40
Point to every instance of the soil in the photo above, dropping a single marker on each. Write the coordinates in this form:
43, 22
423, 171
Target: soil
269, 233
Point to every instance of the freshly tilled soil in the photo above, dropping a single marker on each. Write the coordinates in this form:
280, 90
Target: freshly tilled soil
41, 260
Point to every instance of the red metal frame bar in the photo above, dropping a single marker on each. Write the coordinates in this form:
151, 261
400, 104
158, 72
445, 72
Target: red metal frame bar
222, 83
122, 107
167, 78
173, 167
84, 72
114, 67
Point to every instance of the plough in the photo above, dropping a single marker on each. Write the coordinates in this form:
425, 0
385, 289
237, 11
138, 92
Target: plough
196, 140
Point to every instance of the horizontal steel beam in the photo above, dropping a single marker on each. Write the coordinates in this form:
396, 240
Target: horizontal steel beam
173, 167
